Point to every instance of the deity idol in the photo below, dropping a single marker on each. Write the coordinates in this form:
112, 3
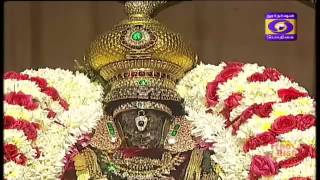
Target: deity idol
143, 134
142, 107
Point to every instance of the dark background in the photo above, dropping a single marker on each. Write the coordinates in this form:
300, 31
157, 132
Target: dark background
53, 34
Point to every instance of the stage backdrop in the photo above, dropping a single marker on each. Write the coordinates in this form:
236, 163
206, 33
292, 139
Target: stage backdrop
53, 34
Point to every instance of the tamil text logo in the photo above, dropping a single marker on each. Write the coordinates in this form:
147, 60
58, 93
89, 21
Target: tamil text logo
280, 26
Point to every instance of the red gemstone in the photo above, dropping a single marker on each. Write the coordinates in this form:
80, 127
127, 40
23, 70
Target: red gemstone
150, 73
134, 74
141, 73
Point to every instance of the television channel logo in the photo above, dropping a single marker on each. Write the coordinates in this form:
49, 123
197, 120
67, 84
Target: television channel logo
281, 26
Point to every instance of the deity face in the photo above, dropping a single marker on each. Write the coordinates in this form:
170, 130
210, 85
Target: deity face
143, 128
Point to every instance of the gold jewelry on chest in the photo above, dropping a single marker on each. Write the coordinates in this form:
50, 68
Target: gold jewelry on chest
142, 167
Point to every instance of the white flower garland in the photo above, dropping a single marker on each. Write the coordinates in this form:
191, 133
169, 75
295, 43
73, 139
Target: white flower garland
228, 148
53, 140
256, 125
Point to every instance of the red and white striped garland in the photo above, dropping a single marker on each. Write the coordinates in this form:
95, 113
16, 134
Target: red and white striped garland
264, 111
43, 120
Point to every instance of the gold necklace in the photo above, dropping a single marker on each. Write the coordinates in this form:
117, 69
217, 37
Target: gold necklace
142, 167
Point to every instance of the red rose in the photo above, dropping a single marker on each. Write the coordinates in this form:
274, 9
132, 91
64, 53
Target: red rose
211, 95
9, 122
42, 83
266, 138
305, 121
15, 75
272, 74
284, 124
52, 92
262, 166
263, 110
20, 159
290, 94
228, 73
10, 151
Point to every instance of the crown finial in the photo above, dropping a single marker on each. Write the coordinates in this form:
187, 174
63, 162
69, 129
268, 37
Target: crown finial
144, 8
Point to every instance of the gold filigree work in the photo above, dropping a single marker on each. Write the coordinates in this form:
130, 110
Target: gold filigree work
179, 138
143, 167
106, 136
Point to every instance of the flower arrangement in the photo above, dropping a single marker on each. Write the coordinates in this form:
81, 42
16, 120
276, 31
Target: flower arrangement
260, 122
46, 112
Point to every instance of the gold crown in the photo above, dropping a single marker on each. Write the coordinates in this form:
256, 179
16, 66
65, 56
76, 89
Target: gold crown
141, 58
141, 42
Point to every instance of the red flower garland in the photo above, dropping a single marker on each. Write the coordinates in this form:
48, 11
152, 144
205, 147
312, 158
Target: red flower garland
21, 99
11, 154
229, 104
290, 94
266, 166
268, 74
300, 178
286, 124
231, 70
15, 75
42, 83
29, 128
261, 110
303, 151
260, 140
281, 125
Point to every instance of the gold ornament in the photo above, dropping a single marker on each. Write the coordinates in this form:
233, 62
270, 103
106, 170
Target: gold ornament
138, 30
135, 105
179, 138
140, 55
142, 167
193, 171
106, 136
86, 164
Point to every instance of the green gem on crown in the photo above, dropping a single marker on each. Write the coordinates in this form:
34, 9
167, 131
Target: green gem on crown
137, 36
143, 82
